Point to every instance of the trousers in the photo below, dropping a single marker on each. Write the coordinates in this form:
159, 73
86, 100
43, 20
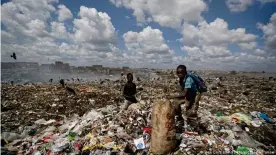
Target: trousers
191, 107
126, 104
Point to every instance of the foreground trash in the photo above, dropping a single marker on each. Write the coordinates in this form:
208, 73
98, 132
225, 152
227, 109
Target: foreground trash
90, 123
128, 132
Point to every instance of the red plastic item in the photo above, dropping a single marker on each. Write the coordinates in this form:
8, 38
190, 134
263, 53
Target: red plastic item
235, 119
191, 133
47, 138
58, 122
147, 130
77, 146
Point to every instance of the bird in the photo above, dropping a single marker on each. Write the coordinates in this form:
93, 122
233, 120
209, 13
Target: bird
13, 56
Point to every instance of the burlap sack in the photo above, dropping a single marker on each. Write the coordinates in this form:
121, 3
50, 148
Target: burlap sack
163, 127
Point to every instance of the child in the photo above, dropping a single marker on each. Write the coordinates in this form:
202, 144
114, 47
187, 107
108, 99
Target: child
190, 95
129, 92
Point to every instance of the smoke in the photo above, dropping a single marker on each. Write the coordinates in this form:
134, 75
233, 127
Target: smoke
22, 76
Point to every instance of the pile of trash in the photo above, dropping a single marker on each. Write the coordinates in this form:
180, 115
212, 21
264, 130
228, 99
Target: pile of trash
22, 105
95, 124
106, 131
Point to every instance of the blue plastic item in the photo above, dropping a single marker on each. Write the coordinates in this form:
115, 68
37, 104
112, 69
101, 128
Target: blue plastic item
266, 118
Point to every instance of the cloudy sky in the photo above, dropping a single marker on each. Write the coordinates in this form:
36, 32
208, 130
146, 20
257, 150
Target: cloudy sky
202, 34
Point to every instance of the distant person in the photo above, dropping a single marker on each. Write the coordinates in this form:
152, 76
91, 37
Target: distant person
191, 88
12, 83
51, 80
61, 81
122, 77
129, 92
122, 80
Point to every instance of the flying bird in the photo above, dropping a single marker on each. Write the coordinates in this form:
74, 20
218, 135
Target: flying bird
13, 56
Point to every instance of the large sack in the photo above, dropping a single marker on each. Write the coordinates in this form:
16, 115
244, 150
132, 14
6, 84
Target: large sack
163, 138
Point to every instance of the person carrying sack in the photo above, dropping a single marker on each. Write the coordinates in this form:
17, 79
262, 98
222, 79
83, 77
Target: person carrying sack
192, 88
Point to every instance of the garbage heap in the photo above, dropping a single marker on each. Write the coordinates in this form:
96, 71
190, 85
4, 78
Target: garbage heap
22, 105
105, 131
232, 122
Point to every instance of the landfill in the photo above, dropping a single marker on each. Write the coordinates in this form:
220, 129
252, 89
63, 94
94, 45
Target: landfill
237, 116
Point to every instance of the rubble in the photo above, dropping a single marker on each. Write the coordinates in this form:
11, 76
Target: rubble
238, 113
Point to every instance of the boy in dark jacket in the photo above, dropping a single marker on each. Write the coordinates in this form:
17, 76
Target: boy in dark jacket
129, 92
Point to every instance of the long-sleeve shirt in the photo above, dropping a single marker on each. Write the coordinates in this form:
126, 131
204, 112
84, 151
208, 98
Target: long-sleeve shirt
129, 92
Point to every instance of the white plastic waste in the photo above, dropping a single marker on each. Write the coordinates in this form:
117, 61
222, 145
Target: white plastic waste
10, 136
44, 122
60, 144
139, 143
256, 122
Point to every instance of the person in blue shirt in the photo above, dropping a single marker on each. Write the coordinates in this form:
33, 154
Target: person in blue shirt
188, 95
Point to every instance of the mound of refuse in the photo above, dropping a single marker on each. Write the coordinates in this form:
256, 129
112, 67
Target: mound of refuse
236, 116
106, 131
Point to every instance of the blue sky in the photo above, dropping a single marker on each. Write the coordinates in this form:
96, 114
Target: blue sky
216, 9
243, 15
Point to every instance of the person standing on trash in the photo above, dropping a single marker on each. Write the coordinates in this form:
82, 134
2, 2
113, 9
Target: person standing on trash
129, 92
190, 94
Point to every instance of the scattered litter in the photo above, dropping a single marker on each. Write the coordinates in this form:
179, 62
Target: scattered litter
44, 119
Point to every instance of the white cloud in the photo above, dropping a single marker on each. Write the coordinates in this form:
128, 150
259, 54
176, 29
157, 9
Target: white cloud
242, 5
266, 1
215, 33
148, 45
19, 16
212, 39
269, 31
239, 62
167, 13
259, 52
206, 51
248, 46
93, 27
238, 5
34, 36
147, 41
36, 29
59, 31
64, 13
207, 44
7, 38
